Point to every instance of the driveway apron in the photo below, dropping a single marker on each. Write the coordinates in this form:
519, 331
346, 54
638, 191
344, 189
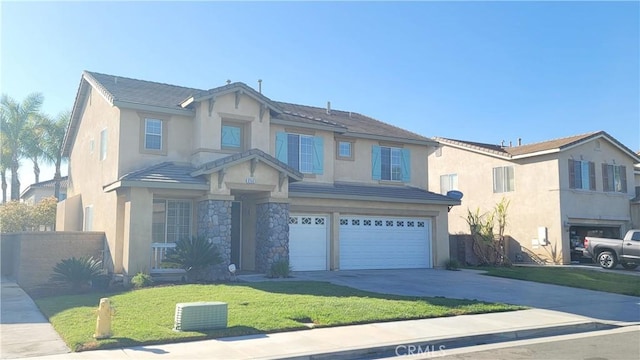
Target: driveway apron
24, 331
470, 284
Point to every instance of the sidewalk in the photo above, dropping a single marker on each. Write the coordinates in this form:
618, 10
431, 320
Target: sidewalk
24, 331
355, 340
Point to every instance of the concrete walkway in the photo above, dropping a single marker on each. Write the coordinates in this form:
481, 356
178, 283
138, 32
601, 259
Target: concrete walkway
356, 340
24, 331
472, 284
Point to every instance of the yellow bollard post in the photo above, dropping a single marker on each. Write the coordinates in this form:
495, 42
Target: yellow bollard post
103, 324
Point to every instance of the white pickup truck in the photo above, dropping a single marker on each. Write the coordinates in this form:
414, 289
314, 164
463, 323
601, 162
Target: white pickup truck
609, 252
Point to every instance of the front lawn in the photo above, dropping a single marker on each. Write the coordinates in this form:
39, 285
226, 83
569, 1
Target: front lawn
614, 281
146, 316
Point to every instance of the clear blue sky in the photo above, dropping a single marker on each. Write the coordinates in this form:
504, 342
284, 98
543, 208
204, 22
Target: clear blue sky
478, 71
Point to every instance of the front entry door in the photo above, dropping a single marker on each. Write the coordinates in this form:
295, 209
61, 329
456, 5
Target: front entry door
236, 233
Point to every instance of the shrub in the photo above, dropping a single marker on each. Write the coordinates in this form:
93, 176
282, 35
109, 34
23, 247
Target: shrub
141, 280
452, 264
280, 269
77, 272
195, 255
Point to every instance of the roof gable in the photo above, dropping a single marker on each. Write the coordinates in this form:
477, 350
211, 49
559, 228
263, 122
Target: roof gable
248, 155
540, 148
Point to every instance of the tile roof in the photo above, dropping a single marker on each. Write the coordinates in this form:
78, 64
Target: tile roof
142, 92
353, 122
51, 183
166, 173
118, 88
48, 184
405, 194
536, 148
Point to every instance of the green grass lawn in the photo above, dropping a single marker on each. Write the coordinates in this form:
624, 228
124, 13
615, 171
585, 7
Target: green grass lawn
614, 281
146, 316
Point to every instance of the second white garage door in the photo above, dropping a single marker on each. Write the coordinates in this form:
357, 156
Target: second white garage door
384, 243
308, 242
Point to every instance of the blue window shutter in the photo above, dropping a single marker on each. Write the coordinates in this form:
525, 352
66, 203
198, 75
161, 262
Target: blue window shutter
375, 163
318, 154
281, 146
406, 165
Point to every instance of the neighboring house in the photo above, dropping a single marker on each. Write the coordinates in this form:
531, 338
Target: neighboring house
44, 189
561, 189
152, 163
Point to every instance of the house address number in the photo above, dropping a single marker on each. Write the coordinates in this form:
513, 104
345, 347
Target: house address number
251, 180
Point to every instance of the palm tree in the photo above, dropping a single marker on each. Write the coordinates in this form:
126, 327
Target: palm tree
15, 122
32, 142
52, 145
5, 163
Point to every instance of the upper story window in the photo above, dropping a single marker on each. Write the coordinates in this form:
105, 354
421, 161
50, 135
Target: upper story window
153, 134
232, 136
448, 182
390, 163
103, 144
503, 179
582, 175
614, 178
302, 152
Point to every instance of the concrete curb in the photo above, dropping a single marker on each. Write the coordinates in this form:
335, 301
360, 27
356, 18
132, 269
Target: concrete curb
433, 345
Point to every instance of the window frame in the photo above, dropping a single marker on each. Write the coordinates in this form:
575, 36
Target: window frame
508, 184
104, 138
308, 156
244, 140
164, 137
351, 143
165, 231
609, 178
147, 121
450, 178
394, 153
586, 171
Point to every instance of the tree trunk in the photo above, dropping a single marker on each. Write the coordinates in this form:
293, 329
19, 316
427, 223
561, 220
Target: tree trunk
36, 169
15, 182
4, 187
56, 178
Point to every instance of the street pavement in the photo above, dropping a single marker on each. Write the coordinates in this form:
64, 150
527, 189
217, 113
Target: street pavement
556, 310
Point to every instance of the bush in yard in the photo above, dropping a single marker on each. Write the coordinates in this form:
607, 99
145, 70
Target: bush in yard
280, 269
195, 255
141, 280
452, 264
77, 272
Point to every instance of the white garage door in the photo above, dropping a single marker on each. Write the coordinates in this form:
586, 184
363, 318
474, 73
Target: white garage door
384, 243
308, 242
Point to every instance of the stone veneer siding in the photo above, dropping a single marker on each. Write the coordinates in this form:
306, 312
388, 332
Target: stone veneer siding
214, 223
272, 234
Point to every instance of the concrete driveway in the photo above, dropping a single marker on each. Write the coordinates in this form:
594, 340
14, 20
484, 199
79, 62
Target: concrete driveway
471, 284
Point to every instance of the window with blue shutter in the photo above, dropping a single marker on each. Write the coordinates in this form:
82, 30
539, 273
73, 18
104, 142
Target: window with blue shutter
302, 152
389, 163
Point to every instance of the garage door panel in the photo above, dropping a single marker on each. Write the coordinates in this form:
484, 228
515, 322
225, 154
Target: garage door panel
384, 243
308, 242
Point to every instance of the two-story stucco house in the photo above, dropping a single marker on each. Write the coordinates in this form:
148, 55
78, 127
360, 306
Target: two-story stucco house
559, 190
151, 163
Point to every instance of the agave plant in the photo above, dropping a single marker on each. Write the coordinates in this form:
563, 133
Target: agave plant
77, 272
194, 254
